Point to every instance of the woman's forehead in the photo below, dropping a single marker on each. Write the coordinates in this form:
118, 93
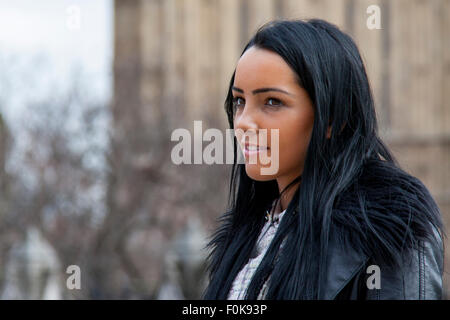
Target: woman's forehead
263, 67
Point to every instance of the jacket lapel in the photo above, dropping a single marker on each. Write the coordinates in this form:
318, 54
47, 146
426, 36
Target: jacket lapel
343, 264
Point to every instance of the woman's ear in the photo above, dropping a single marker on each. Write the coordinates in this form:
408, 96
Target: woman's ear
330, 127
329, 132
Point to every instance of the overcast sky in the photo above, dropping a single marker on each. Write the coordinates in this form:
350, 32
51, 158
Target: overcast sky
68, 34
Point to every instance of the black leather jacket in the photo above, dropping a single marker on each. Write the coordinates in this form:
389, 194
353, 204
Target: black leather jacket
420, 279
397, 224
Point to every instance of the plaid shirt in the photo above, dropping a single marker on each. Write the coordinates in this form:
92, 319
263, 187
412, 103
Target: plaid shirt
242, 280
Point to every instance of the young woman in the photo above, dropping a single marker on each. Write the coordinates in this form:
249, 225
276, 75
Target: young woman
339, 219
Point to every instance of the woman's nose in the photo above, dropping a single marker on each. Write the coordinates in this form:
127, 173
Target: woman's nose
247, 119
247, 125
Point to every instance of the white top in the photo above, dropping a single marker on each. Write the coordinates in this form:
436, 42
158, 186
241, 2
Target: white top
242, 280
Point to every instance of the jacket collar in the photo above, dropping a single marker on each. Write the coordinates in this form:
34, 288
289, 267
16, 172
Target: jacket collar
343, 264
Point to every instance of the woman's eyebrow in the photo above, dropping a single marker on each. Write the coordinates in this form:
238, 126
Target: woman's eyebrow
261, 90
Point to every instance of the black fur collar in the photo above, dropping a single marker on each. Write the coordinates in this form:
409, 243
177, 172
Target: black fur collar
398, 211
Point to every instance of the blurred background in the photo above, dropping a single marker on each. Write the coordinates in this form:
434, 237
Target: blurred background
90, 92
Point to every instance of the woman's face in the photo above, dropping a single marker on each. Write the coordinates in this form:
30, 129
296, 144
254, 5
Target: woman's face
266, 95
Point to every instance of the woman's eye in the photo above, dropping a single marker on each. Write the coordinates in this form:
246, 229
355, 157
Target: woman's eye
238, 102
274, 102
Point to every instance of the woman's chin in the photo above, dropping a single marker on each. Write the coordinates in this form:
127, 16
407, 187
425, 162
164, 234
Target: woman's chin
256, 172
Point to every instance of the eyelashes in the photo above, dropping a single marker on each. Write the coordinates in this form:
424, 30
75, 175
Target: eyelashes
277, 102
235, 102
270, 102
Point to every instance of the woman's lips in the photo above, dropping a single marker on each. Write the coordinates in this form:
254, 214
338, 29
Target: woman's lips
253, 149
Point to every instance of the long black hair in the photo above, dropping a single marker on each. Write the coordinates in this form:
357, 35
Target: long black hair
350, 180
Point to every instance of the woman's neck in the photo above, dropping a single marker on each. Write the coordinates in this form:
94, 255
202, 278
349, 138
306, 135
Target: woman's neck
286, 198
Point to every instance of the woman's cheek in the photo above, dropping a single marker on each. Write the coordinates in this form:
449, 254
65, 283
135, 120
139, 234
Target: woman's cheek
292, 151
286, 156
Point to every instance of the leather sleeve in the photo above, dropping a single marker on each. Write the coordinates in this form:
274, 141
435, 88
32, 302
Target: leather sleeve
419, 279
